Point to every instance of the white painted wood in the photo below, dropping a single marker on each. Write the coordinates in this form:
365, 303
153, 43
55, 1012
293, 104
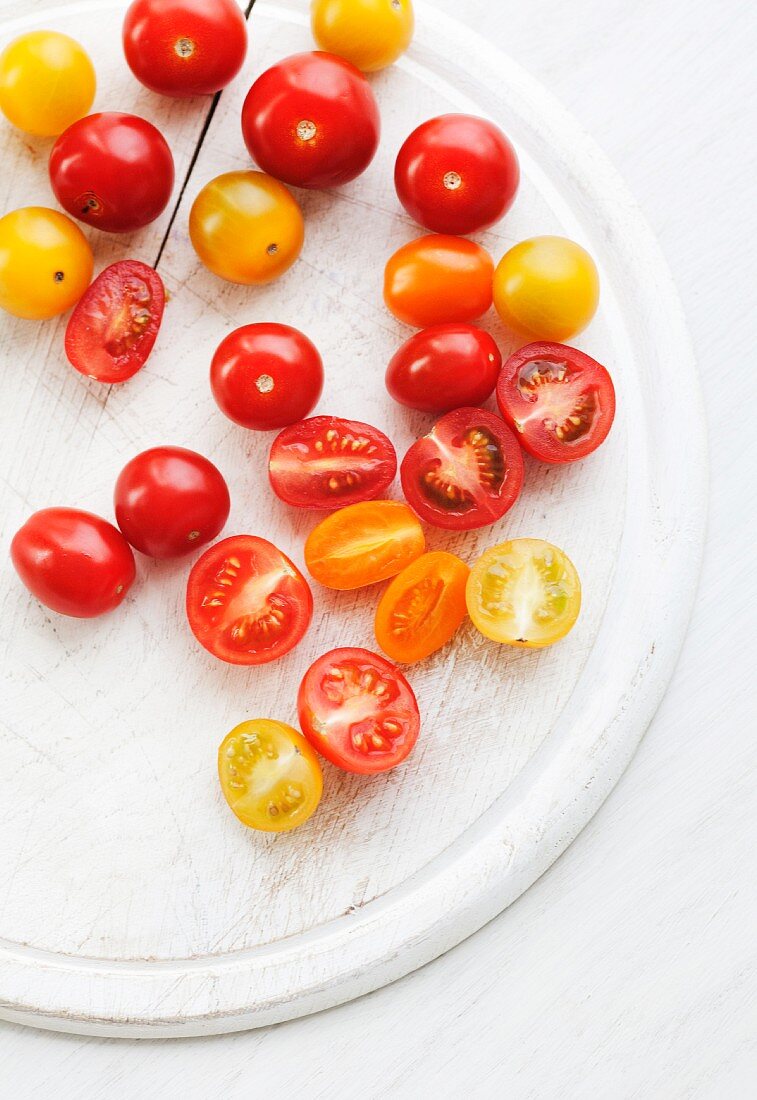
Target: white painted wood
182, 922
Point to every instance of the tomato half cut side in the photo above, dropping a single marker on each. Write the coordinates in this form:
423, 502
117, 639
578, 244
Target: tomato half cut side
113, 329
559, 401
363, 544
327, 462
422, 607
247, 603
467, 472
358, 710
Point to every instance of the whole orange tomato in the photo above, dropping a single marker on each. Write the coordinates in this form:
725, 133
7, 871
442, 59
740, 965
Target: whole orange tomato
438, 278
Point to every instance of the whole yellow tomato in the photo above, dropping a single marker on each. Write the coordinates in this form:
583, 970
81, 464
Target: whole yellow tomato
369, 33
546, 287
46, 82
246, 227
45, 262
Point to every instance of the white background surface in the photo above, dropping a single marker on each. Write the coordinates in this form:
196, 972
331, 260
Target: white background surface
628, 969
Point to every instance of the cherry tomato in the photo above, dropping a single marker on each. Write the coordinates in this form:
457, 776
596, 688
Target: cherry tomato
45, 262
467, 472
247, 603
524, 592
358, 710
311, 120
546, 287
456, 174
437, 279
559, 401
369, 33
246, 227
422, 607
184, 47
269, 775
113, 329
444, 367
169, 501
363, 544
327, 462
112, 171
46, 82
74, 562
265, 376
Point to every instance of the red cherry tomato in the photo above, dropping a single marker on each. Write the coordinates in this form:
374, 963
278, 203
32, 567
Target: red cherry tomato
184, 47
112, 171
113, 329
169, 501
467, 472
74, 562
456, 174
311, 120
444, 367
358, 710
247, 603
327, 462
559, 401
266, 376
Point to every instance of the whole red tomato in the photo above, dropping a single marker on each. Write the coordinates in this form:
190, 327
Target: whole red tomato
169, 501
456, 174
444, 367
266, 376
112, 171
311, 120
74, 562
184, 47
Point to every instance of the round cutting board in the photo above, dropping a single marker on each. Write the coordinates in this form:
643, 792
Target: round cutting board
131, 901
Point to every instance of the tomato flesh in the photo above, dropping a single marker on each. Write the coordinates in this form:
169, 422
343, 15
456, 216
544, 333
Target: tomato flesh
247, 603
363, 544
327, 462
444, 367
358, 710
422, 607
467, 472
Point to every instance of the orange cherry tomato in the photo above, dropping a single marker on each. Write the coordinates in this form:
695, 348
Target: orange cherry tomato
363, 543
422, 607
438, 278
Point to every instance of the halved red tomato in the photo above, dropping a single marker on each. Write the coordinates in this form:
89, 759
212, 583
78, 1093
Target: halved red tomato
327, 462
467, 472
358, 710
114, 326
559, 401
247, 603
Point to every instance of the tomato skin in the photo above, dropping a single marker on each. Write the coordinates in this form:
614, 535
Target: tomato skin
327, 462
456, 174
546, 287
74, 562
45, 263
184, 47
266, 376
113, 171
169, 501
247, 603
246, 227
543, 389
466, 473
437, 279
332, 96
33, 65
358, 711
422, 607
444, 367
363, 544
371, 34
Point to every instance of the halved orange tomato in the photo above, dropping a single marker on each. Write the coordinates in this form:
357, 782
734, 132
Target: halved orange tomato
363, 543
422, 607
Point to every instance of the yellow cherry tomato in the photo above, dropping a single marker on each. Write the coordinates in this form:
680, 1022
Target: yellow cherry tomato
45, 262
369, 33
46, 82
246, 227
546, 287
524, 592
270, 776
